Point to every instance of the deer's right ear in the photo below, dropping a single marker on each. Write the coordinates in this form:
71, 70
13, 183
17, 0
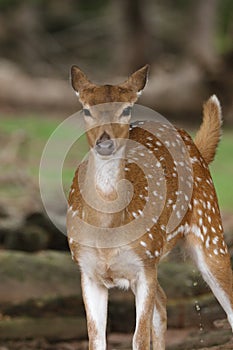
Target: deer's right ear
79, 80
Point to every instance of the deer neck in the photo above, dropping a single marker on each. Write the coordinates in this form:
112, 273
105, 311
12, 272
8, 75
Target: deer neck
104, 191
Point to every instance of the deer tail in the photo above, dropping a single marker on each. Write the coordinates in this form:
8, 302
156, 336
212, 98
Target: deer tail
209, 134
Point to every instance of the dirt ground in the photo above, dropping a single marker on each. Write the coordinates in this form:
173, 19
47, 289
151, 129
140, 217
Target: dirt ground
187, 339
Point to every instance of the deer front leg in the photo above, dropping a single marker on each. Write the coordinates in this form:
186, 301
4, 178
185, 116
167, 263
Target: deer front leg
144, 297
95, 298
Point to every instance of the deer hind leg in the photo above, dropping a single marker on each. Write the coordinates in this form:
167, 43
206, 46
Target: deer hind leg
210, 253
159, 320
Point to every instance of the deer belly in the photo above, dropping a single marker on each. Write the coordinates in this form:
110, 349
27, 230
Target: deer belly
119, 270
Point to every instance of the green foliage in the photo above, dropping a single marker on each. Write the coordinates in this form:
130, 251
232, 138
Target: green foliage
226, 14
90, 6
222, 171
225, 19
5, 4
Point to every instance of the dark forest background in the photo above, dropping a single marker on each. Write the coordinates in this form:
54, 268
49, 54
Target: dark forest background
187, 43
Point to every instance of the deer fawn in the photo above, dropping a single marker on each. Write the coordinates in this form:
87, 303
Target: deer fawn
134, 263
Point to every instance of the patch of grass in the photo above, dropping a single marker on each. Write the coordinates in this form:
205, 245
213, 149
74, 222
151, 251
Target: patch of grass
38, 130
222, 171
36, 126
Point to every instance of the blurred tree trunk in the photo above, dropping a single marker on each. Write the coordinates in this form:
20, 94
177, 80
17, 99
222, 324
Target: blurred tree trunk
34, 45
201, 46
136, 34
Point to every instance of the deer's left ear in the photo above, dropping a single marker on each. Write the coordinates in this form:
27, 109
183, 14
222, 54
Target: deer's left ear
138, 79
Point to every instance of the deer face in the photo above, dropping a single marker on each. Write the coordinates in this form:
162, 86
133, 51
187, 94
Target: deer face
107, 126
107, 109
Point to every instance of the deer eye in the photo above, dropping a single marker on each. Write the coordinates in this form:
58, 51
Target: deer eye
86, 112
126, 112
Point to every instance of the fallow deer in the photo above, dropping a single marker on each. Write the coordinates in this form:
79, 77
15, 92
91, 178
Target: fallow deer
133, 264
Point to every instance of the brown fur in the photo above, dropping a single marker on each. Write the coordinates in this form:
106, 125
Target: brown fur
209, 134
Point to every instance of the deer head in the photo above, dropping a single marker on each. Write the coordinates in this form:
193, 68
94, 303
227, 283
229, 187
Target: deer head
107, 108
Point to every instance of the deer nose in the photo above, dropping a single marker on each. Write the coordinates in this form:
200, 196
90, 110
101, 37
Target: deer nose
104, 145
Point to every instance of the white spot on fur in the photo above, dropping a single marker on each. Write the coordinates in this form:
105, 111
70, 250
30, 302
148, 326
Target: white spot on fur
151, 236
140, 212
204, 229
148, 253
197, 232
74, 213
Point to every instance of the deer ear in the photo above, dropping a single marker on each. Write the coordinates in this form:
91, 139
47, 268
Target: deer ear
138, 79
79, 80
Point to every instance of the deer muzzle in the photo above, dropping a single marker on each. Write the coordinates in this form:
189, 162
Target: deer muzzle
105, 145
